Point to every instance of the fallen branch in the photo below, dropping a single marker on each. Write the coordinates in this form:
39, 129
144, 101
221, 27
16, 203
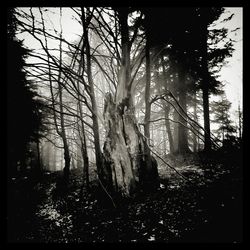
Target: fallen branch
105, 190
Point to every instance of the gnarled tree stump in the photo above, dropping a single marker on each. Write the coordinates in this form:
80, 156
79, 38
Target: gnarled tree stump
124, 151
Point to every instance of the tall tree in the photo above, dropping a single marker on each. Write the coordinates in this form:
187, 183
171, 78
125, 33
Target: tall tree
221, 111
206, 16
124, 147
23, 107
61, 131
147, 94
240, 121
85, 22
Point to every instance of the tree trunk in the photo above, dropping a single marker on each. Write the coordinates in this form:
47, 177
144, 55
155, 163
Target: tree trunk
168, 129
207, 146
53, 162
196, 119
205, 90
182, 130
124, 151
81, 129
66, 169
240, 122
39, 166
166, 110
175, 133
84, 148
98, 153
62, 133
147, 107
79, 153
123, 91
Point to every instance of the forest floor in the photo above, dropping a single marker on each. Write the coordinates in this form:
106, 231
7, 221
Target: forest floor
207, 210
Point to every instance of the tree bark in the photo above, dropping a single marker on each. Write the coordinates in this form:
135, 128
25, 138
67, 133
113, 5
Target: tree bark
39, 165
168, 129
147, 106
123, 91
166, 110
66, 169
98, 153
79, 153
175, 132
205, 90
240, 122
196, 119
54, 159
124, 151
81, 130
182, 131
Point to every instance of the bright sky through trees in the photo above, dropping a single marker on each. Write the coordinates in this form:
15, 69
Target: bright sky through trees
231, 73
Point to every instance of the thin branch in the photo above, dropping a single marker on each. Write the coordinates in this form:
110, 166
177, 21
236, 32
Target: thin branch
105, 190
